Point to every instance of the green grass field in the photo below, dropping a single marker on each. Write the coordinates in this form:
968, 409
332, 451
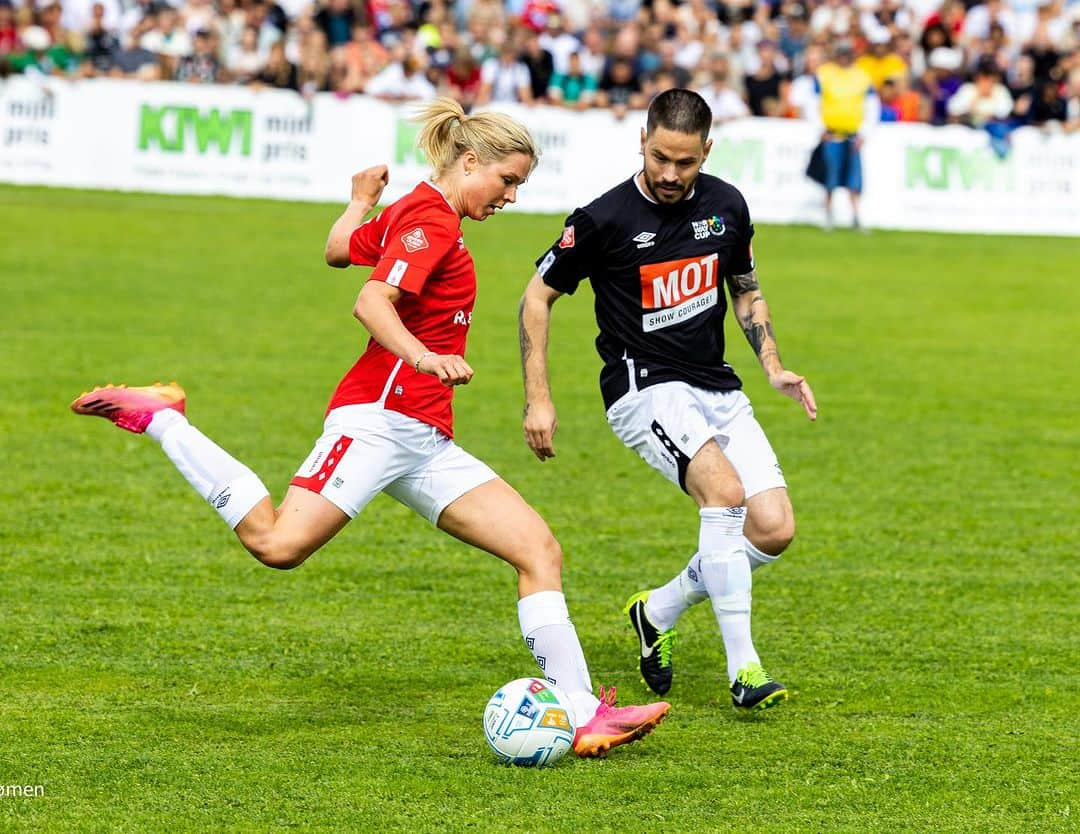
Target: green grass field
154, 677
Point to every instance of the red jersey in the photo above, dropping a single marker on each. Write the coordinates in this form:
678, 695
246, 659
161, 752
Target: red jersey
415, 245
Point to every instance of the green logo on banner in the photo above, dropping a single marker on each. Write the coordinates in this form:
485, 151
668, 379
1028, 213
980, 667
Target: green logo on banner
173, 129
737, 161
405, 149
945, 169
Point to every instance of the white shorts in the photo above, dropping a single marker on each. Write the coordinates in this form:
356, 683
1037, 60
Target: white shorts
366, 449
669, 422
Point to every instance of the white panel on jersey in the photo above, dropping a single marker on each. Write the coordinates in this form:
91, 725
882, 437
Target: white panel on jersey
397, 272
658, 319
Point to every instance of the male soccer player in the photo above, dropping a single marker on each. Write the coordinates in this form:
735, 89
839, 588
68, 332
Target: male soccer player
656, 248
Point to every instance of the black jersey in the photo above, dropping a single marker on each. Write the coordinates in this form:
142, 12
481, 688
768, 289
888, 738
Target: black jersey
657, 273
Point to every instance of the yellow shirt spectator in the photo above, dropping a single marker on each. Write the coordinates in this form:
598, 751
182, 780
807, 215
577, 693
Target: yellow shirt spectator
882, 67
843, 93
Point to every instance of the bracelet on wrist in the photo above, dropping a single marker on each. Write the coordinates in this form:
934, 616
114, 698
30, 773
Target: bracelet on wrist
421, 358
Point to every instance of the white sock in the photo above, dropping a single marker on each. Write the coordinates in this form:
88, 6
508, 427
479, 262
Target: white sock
726, 572
231, 488
668, 602
758, 558
551, 637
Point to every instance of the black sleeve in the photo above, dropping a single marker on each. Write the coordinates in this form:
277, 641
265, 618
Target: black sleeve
742, 261
569, 260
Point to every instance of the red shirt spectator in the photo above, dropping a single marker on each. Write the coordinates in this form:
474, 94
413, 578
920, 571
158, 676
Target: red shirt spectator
536, 13
9, 37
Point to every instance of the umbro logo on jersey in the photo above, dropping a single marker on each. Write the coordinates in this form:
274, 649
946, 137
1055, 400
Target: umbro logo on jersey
645, 240
710, 226
415, 240
567, 241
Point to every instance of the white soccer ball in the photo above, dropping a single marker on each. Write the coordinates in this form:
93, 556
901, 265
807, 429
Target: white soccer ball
529, 722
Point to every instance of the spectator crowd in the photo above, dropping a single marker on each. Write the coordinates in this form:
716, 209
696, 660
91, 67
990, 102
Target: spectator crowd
977, 62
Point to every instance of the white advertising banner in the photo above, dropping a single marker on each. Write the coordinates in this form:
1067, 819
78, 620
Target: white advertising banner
949, 179
187, 139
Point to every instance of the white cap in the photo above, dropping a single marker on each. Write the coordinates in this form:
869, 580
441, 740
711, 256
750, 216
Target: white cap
945, 58
879, 36
35, 38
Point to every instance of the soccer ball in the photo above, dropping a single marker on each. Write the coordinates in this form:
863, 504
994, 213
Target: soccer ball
529, 722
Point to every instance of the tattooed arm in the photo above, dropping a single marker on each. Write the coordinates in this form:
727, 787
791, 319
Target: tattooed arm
534, 323
752, 312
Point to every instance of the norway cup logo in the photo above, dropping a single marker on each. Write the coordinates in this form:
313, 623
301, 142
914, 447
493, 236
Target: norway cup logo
675, 291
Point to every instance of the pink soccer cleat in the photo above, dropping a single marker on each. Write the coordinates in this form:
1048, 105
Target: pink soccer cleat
130, 408
611, 726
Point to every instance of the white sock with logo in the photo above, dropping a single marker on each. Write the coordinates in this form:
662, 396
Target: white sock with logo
726, 572
758, 558
668, 602
552, 638
231, 488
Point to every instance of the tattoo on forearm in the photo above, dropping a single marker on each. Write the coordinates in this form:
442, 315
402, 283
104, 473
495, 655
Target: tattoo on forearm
747, 318
757, 332
524, 342
755, 335
739, 284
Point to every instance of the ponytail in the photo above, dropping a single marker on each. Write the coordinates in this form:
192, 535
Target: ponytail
447, 133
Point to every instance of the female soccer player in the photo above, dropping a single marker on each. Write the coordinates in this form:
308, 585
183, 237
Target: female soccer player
389, 423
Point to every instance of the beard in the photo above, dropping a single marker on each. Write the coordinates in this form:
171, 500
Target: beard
665, 192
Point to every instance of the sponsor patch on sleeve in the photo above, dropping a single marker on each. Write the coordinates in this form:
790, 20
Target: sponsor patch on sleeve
545, 264
567, 241
415, 240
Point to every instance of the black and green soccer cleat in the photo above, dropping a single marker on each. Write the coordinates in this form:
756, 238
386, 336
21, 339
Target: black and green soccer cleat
655, 645
755, 690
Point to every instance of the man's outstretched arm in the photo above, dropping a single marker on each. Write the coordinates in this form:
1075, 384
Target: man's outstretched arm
534, 323
752, 312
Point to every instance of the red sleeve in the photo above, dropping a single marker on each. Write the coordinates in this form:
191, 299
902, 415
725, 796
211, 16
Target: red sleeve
364, 243
415, 244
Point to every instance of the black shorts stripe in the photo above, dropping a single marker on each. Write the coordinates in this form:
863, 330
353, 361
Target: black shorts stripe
682, 461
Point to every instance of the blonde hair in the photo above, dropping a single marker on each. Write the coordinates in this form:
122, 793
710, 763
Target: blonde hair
447, 133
